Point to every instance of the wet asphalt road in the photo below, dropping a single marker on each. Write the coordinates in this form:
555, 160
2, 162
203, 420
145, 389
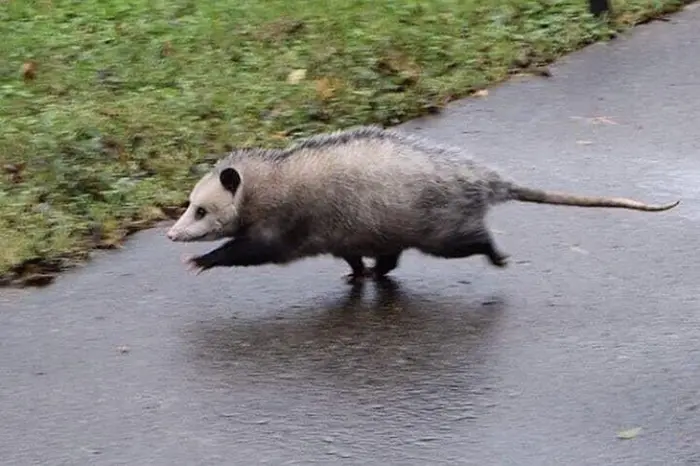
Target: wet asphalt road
594, 327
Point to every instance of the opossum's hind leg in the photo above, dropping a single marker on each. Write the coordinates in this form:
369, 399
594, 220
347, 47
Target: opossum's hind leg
359, 271
473, 243
490, 250
385, 264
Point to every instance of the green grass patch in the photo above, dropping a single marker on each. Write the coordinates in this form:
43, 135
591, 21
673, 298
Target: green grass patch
110, 110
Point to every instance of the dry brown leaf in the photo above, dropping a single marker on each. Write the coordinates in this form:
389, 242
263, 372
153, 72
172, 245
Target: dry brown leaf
296, 76
629, 434
153, 213
604, 119
111, 242
14, 167
15, 171
29, 70
172, 212
596, 120
579, 250
626, 18
396, 62
326, 87
167, 49
109, 112
110, 235
279, 29
543, 71
481, 93
38, 279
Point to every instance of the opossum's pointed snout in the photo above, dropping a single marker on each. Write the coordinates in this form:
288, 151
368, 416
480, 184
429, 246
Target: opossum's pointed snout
173, 235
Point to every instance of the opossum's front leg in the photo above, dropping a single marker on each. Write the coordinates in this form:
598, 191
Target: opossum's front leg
239, 252
385, 264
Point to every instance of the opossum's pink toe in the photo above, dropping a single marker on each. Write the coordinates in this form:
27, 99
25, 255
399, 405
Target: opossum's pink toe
190, 265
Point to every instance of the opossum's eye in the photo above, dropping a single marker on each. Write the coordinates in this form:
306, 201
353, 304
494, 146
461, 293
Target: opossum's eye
200, 213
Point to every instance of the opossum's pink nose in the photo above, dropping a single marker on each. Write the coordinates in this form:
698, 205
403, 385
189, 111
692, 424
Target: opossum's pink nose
171, 235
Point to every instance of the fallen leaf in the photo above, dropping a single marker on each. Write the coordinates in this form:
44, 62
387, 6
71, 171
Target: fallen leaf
172, 211
626, 18
167, 49
123, 349
481, 93
15, 171
436, 105
279, 29
14, 167
596, 120
108, 112
112, 147
29, 70
296, 76
604, 119
111, 236
326, 87
38, 279
153, 213
395, 62
541, 71
629, 434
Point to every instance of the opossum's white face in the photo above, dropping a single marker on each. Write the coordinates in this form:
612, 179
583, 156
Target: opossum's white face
212, 213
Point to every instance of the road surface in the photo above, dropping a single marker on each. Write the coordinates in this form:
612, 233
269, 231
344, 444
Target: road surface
593, 329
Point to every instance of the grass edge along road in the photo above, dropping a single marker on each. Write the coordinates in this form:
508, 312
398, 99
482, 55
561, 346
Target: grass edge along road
111, 110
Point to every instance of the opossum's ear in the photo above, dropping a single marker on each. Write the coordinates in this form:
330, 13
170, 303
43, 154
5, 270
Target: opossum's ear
230, 179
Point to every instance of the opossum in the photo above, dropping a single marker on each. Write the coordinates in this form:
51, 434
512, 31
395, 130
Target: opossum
361, 192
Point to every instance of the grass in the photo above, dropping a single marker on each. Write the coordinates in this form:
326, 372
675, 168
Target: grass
110, 110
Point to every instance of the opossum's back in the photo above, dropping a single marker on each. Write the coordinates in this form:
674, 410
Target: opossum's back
369, 155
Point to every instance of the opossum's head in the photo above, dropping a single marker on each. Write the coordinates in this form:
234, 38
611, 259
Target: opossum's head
213, 209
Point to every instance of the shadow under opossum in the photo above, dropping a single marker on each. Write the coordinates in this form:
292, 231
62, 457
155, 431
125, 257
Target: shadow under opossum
398, 340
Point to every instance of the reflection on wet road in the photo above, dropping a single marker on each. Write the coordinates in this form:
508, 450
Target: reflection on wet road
381, 347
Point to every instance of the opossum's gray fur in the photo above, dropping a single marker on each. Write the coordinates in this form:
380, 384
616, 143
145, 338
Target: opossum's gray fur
369, 192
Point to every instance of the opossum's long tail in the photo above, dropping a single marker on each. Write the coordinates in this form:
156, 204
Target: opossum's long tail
539, 196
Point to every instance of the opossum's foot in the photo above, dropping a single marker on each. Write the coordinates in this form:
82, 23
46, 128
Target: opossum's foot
192, 265
492, 253
359, 271
383, 265
496, 256
354, 279
499, 259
